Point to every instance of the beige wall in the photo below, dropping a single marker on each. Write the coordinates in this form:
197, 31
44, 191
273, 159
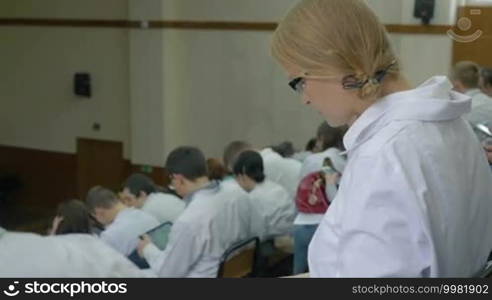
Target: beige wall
38, 107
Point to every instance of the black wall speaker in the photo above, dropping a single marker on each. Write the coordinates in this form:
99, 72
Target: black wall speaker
424, 9
82, 85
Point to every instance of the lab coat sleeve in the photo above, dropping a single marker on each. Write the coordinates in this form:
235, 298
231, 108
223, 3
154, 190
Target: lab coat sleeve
182, 252
383, 231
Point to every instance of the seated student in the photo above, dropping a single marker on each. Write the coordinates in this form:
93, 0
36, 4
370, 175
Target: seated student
465, 77
72, 217
27, 255
486, 81
139, 191
206, 229
123, 224
285, 149
284, 171
246, 208
329, 141
216, 170
270, 199
308, 150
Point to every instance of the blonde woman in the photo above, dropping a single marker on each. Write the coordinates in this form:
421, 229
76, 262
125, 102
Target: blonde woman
416, 196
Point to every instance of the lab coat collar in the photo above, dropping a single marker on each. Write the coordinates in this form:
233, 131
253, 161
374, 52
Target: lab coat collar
212, 186
434, 100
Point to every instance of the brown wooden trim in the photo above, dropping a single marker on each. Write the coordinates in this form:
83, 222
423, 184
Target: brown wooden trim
69, 23
418, 29
214, 25
199, 25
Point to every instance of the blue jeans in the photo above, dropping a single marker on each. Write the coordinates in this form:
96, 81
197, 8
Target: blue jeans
302, 237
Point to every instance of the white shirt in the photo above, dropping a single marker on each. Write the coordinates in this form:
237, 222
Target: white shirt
284, 171
314, 163
481, 112
200, 236
123, 234
415, 196
301, 156
25, 255
247, 211
275, 207
163, 207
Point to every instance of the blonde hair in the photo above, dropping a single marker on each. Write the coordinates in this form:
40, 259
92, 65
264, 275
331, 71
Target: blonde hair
468, 73
329, 37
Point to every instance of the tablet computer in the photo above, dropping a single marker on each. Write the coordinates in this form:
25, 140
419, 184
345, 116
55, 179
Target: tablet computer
160, 235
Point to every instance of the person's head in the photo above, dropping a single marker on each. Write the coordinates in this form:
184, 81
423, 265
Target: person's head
486, 81
187, 168
329, 137
136, 189
216, 170
338, 57
285, 149
465, 76
72, 217
310, 146
248, 170
103, 204
232, 151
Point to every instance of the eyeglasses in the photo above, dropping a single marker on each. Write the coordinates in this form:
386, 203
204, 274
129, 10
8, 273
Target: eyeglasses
349, 82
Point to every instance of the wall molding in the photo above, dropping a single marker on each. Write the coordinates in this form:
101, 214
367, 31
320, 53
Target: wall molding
196, 25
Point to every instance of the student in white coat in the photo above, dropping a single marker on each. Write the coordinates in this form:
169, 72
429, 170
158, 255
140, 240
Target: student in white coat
123, 224
27, 255
466, 79
284, 171
269, 198
415, 196
329, 141
206, 229
139, 191
247, 210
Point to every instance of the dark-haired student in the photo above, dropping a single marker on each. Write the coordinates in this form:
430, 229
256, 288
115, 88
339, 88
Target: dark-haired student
72, 216
209, 225
123, 224
269, 198
140, 191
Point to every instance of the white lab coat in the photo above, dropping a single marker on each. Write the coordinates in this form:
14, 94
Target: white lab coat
314, 162
481, 112
163, 207
247, 210
284, 171
209, 226
415, 199
27, 255
123, 234
275, 206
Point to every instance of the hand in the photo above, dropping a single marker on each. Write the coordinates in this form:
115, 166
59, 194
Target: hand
56, 223
332, 178
488, 152
144, 241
